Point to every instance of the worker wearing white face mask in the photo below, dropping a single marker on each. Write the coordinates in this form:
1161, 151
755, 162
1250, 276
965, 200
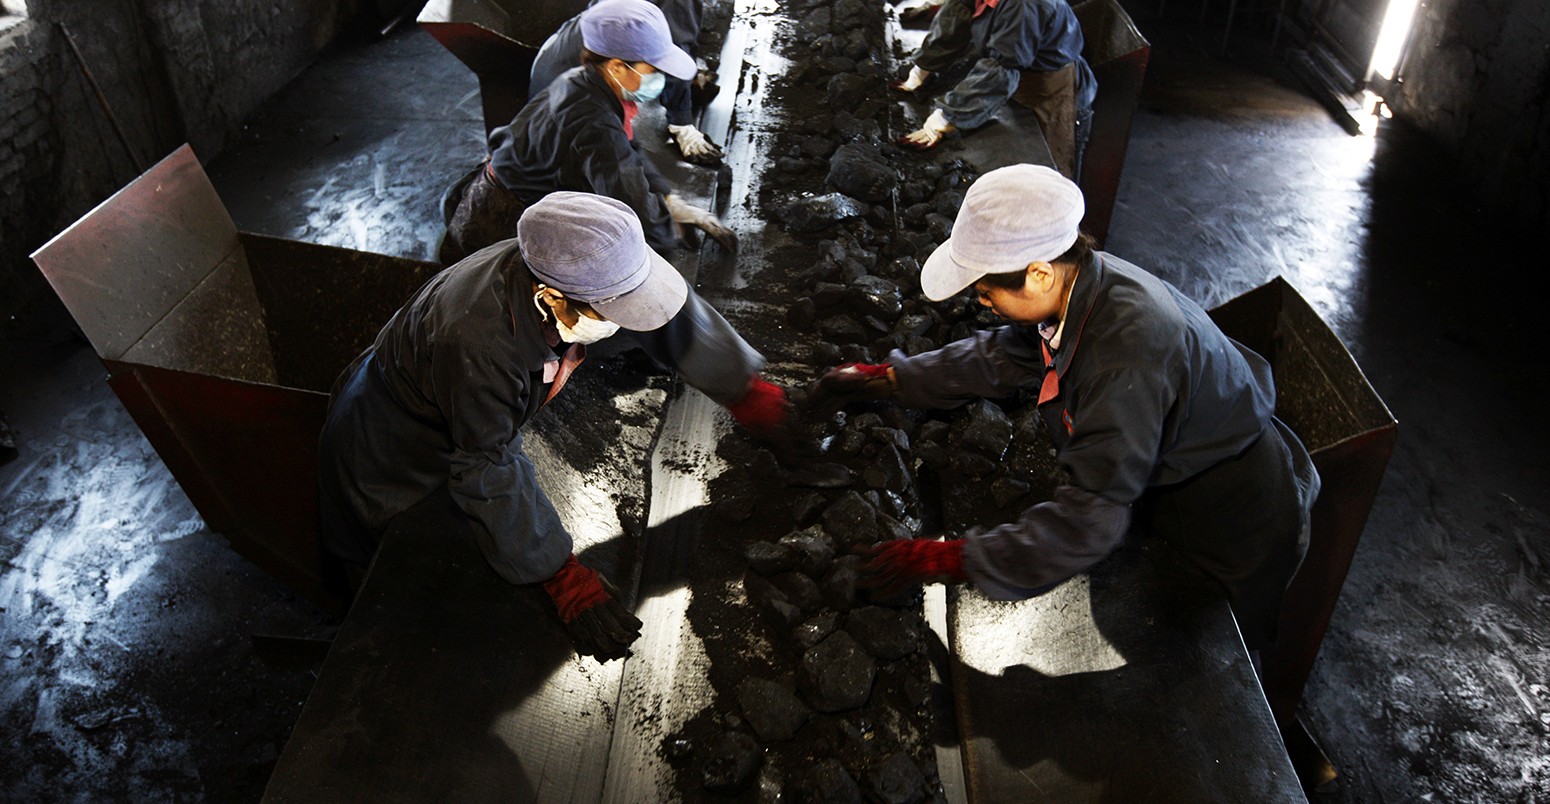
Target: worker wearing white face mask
578, 134
437, 405
562, 50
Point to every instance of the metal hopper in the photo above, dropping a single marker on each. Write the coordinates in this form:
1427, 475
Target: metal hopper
498, 40
223, 346
1323, 396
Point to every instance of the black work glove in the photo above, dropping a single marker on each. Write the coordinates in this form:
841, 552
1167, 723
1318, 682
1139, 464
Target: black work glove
589, 607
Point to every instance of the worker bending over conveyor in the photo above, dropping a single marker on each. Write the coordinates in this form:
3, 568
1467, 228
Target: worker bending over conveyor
440, 399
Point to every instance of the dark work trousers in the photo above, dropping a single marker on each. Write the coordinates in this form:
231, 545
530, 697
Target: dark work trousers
478, 212
1243, 525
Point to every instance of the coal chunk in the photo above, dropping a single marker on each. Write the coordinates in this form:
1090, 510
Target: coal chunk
807, 508
774, 711
885, 633
859, 171
897, 780
824, 782
818, 212
876, 296
887, 471
987, 430
815, 630
731, 762
799, 590
848, 90
1007, 490
851, 520
842, 329
813, 549
836, 674
821, 476
839, 586
768, 558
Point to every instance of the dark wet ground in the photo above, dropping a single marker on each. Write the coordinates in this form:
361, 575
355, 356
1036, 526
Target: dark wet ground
138, 652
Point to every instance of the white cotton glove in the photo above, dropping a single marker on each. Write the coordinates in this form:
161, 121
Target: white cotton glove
916, 78
930, 133
685, 213
693, 144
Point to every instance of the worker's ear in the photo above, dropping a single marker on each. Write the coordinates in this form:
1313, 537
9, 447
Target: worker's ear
1041, 277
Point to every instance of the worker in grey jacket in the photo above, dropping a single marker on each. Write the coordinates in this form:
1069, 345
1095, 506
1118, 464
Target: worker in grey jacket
578, 135
440, 399
1024, 50
1154, 411
562, 51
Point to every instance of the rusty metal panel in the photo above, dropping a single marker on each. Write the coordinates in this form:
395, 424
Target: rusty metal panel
223, 346
1322, 394
1118, 685
1117, 53
498, 40
122, 267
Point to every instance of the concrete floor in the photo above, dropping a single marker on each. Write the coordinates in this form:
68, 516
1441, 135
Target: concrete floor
136, 650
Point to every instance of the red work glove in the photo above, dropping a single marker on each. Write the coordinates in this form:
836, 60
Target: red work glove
894, 567
763, 408
589, 607
850, 382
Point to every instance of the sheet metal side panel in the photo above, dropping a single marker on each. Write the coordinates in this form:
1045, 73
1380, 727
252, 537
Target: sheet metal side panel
1113, 690
127, 263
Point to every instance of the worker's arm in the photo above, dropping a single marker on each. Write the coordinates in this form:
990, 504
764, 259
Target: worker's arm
1110, 456
988, 364
482, 393
706, 350
613, 168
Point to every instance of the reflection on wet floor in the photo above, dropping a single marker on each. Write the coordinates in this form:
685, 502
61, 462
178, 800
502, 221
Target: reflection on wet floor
127, 641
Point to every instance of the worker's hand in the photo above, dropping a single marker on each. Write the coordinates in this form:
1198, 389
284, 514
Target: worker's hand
916, 77
850, 382
694, 145
764, 410
891, 568
683, 212
930, 133
588, 605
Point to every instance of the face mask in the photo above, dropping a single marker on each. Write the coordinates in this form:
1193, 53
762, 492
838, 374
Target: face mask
651, 85
587, 330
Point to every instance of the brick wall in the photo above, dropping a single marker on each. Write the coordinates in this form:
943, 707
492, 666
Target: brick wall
173, 71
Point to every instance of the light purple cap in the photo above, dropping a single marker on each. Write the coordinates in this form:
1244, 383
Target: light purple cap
1011, 217
635, 31
591, 248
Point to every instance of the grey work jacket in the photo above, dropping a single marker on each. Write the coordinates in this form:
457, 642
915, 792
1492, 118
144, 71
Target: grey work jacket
1152, 394
441, 398
571, 137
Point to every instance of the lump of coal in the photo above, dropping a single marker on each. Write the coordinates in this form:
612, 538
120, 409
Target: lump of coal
771, 599
885, 633
774, 711
836, 674
848, 90
853, 128
897, 780
842, 329
839, 586
987, 431
1006, 490
807, 508
799, 590
816, 147
818, 212
731, 762
821, 476
892, 436
767, 558
971, 464
887, 471
816, 630
876, 296
813, 549
823, 782
851, 520
802, 314
859, 171
848, 444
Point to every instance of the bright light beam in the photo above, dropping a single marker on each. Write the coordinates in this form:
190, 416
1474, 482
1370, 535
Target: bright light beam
1391, 37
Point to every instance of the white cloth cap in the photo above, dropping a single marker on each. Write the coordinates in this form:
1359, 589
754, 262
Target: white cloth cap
1011, 217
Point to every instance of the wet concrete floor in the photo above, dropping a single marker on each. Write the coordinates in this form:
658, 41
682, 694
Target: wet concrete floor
138, 654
